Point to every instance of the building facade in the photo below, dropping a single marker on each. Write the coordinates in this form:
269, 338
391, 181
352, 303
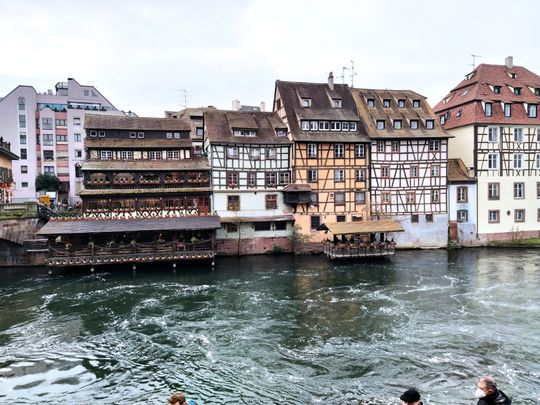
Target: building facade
330, 156
494, 118
47, 131
408, 164
462, 209
250, 157
6, 172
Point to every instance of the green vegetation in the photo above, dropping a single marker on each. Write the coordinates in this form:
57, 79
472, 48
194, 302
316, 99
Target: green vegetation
47, 182
532, 242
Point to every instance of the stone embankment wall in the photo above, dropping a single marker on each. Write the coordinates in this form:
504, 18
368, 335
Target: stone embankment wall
252, 246
18, 230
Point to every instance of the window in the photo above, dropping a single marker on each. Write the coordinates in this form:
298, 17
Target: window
233, 203
232, 152
518, 135
22, 138
140, 135
60, 123
442, 119
345, 126
434, 145
312, 150
493, 191
507, 110
537, 161
429, 217
24, 169
339, 175
270, 179
371, 102
24, 184
232, 179
360, 197
462, 215
270, 153
336, 102
360, 174
414, 218
306, 102
517, 91
519, 190
47, 123
155, 155
385, 197
133, 135
381, 124
262, 226
324, 125
341, 218
271, 201
335, 126
199, 131
359, 151
488, 109
493, 161
401, 103
78, 171
48, 169
339, 150
518, 160
414, 124
48, 155
339, 198
48, 139
128, 155
101, 134
416, 103
414, 171
171, 155
397, 124
244, 132
254, 153
22, 121
352, 126
252, 179
430, 124
493, 134
312, 175
231, 228
435, 170
315, 222
395, 146
284, 178
380, 146
77, 137
493, 216
497, 89
386, 103
519, 215
24, 154
305, 125
538, 189
93, 134
537, 212
76, 121
434, 196
105, 154
537, 91
168, 135
21, 103
462, 194
532, 110
411, 197
385, 171
61, 138
313, 199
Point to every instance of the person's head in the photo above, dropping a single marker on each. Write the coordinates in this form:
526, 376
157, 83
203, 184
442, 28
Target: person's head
485, 386
177, 398
410, 397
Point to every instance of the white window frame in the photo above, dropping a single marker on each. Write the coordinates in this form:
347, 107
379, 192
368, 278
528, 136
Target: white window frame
413, 124
434, 145
493, 134
517, 134
518, 161
105, 154
305, 125
126, 155
359, 151
312, 151
352, 126
173, 155
339, 151
339, 175
519, 190
507, 109
493, 164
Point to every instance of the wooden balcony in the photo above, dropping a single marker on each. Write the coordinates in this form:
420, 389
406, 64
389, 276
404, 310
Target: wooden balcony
358, 250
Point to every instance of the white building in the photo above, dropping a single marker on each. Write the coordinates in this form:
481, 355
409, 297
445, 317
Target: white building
461, 204
47, 131
250, 158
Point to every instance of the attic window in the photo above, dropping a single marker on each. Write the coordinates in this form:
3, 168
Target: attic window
386, 103
101, 134
281, 132
169, 135
401, 103
306, 102
397, 124
430, 124
537, 91
132, 135
140, 134
371, 102
381, 124
416, 103
512, 75
497, 89
244, 132
414, 124
93, 134
336, 102
517, 91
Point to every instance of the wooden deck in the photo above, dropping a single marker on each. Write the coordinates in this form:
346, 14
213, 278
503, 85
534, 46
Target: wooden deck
358, 250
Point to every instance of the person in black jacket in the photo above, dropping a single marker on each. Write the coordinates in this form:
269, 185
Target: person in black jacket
411, 397
488, 394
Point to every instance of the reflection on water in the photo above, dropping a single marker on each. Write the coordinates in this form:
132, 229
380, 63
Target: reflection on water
273, 329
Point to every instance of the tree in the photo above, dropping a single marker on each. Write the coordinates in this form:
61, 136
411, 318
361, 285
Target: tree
47, 182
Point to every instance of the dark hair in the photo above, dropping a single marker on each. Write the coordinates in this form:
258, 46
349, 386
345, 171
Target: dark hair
177, 397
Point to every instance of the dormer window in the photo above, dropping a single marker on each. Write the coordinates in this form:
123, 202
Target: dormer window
168, 135
244, 132
507, 110
517, 91
313, 125
101, 134
416, 103
306, 102
430, 124
305, 125
381, 124
488, 109
537, 91
199, 131
140, 135
93, 134
371, 102
398, 124
497, 89
532, 110
414, 124
352, 126
335, 126
401, 103
336, 102
386, 103
512, 75
281, 132
324, 125
133, 135
345, 126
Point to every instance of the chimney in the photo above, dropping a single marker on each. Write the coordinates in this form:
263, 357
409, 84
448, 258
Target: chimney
331, 81
236, 105
509, 62
262, 106
49, 92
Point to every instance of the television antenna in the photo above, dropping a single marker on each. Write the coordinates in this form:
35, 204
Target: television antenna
353, 73
473, 64
185, 95
342, 77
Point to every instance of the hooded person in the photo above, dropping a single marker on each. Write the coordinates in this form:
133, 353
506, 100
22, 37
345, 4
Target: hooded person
488, 394
411, 397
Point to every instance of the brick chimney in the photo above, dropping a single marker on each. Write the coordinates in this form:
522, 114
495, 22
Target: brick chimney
509, 62
331, 81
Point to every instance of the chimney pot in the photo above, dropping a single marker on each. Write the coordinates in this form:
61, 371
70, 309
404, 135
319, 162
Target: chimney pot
331, 81
509, 62
262, 106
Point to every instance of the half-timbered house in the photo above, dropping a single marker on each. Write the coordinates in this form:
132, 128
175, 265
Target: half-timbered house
146, 196
250, 156
493, 115
330, 157
408, 162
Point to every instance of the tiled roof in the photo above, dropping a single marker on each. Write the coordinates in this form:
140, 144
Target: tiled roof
458, 173
296, 187
321, 108
370, 115
139, 165
348, 228
97, 121
274, 218
146, 143
464, 102
162, 191
221, 123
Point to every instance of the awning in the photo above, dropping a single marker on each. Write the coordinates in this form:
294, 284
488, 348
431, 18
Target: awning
347, 228
95, 226
275, 218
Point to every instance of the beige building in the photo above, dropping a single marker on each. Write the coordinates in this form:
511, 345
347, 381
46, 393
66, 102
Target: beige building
6, 172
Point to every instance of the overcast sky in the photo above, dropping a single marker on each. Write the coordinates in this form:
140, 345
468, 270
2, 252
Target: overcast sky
141, 54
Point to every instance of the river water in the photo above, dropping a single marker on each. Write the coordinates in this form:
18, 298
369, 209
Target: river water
275, 329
